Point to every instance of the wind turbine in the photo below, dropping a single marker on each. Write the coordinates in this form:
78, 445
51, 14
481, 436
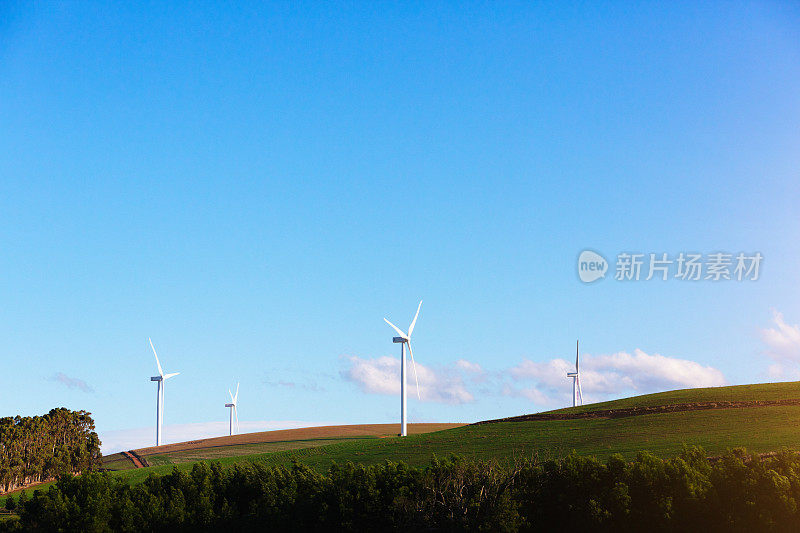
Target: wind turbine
233, 411
576, 381
160, 378
404, 339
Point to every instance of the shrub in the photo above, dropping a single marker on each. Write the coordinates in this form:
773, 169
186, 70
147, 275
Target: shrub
684, 493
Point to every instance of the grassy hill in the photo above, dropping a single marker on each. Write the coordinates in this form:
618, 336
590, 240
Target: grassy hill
263, 442
759, 429
735, 393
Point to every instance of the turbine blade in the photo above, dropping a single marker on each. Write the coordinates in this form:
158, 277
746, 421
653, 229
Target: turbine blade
231, 395
236, 414
236, 398
414, 364
576, 355
580, 391
160, 372
398, 330
171, 375
413, 322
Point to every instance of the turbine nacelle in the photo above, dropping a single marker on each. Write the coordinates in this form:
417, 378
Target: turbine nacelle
160, 379
406, 338
234, 413
164, 377
576, 381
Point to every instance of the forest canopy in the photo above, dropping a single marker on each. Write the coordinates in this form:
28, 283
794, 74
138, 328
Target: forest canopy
685, 493
38, 448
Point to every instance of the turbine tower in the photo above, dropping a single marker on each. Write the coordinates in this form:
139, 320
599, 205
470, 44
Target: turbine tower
233, 411
576, 381
160, 378
404, 339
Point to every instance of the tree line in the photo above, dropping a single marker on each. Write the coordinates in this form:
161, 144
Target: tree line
38, 448
684, 493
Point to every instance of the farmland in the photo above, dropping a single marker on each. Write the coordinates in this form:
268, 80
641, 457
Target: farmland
757, 428
715, 427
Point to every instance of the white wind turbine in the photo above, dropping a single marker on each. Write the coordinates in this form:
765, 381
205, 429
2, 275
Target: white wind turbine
160, 378
576, 381
233, 411
404, 339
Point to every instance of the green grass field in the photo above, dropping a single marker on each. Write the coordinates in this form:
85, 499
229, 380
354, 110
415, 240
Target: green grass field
29, 491
222, 452
116, 461
759, 429
741, 393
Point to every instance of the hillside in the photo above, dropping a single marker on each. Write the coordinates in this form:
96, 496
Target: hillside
758, 428
762, 418
760, 392
263, 442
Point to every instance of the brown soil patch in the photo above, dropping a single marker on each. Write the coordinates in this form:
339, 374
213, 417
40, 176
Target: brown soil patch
138, 462
322, 432
638, 411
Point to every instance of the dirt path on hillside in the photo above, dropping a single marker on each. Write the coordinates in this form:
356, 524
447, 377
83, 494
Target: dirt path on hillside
639, 411
138, 462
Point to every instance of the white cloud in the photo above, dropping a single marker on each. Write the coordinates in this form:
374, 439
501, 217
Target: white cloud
783, 340
550, 373
775, 371
469, 366
134, 438
376, 376
474, 371
381, 375
72, 383
605, 376
653, 372
309, 386
530, 393
543, 383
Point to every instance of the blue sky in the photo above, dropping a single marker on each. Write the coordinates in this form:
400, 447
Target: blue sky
256, 187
